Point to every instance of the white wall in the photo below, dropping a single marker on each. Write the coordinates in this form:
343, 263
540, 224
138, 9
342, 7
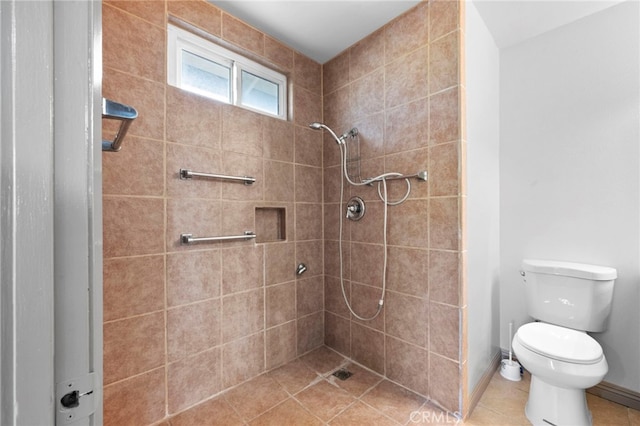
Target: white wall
483, 200
570, 166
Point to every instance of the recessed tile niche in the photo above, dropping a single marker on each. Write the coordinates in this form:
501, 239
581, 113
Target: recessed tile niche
270, 224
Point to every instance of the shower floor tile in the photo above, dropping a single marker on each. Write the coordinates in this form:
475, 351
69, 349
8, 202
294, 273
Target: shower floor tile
304, 392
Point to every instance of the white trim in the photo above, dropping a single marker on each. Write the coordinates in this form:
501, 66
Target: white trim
179, 40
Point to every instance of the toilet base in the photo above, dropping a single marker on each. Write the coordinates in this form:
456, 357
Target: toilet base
553, 405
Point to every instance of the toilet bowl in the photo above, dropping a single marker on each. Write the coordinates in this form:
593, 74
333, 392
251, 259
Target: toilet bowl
563, 363
567, 300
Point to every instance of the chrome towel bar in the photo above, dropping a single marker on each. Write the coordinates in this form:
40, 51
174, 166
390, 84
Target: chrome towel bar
421, 175
115, 111
186, 239
188, 174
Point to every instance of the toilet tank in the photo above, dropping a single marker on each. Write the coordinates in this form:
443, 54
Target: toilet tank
572, 295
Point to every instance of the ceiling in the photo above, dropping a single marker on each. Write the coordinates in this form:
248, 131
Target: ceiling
321, 29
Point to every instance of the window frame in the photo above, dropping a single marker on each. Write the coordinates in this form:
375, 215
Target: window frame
179, 40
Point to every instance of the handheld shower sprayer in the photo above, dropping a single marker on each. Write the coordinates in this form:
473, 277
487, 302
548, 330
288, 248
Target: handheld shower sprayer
339, 140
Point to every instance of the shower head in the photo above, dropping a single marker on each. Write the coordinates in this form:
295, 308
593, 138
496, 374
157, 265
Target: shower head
318, 126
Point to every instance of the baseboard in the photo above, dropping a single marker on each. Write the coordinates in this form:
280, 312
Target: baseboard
483, 383
616, 394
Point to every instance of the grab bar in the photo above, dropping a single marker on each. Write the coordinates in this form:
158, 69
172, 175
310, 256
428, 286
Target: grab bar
116, 111
188, 174
421, 175
186, 239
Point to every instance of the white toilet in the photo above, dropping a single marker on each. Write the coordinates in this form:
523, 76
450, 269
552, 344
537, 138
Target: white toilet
568, 299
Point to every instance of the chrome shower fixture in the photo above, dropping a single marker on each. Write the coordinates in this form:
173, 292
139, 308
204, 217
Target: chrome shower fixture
339, 140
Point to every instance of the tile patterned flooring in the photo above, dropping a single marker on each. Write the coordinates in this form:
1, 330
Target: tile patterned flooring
304, 392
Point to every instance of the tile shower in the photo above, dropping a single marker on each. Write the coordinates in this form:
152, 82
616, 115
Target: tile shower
184, 323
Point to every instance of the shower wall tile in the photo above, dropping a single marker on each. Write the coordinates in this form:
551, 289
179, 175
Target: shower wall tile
443, 116
133, 286
408, 226
152, 12
308, 221
407, 127
308, 147
191, 216
310, 331
408, 32
126, 231
371, 136
196, 159
335, 73
410, 162
185, 379
408, 271
242, 131
278, 53
307, 73
311, 254
444, 163
280, 303
132, 43
278, 178
147, 97
278, 140
407, 318
242, 268
367, 54
307, 105
193, 119
279, 262
308, 184
406, 364
406, 79
367, 263
333, 297
367, 94
146, 408
443, 62
193, 328
444, 17
337, 333
444, 325
237, 217
444, 276
367, 347
214, 292
133, 346
192, 276
124, 175
242, 314
280, 344
444, 381
417, 58
444, 230
199, 13
242, 359
309, 296
242, 35
364, 302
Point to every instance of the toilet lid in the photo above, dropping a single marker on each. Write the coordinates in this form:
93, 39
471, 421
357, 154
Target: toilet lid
559, 343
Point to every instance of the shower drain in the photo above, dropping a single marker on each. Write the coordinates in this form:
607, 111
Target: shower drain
342, 374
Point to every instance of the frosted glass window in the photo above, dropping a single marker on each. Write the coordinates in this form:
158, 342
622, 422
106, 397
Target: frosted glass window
206, 77
259, 93
201, 66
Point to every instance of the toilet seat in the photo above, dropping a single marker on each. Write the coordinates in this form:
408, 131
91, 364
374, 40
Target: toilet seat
559, 343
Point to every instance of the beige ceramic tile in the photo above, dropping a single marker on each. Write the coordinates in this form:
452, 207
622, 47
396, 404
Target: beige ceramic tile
242, 35
199, 13
255, 397
121, 409
280, 344
295, 376
325, 400
310, 331
214, 412
193, 379
393, 401
289, 412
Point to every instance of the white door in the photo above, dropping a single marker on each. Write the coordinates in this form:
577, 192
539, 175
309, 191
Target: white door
50, 212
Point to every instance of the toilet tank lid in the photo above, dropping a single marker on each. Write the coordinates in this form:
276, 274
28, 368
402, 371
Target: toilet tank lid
570, 269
